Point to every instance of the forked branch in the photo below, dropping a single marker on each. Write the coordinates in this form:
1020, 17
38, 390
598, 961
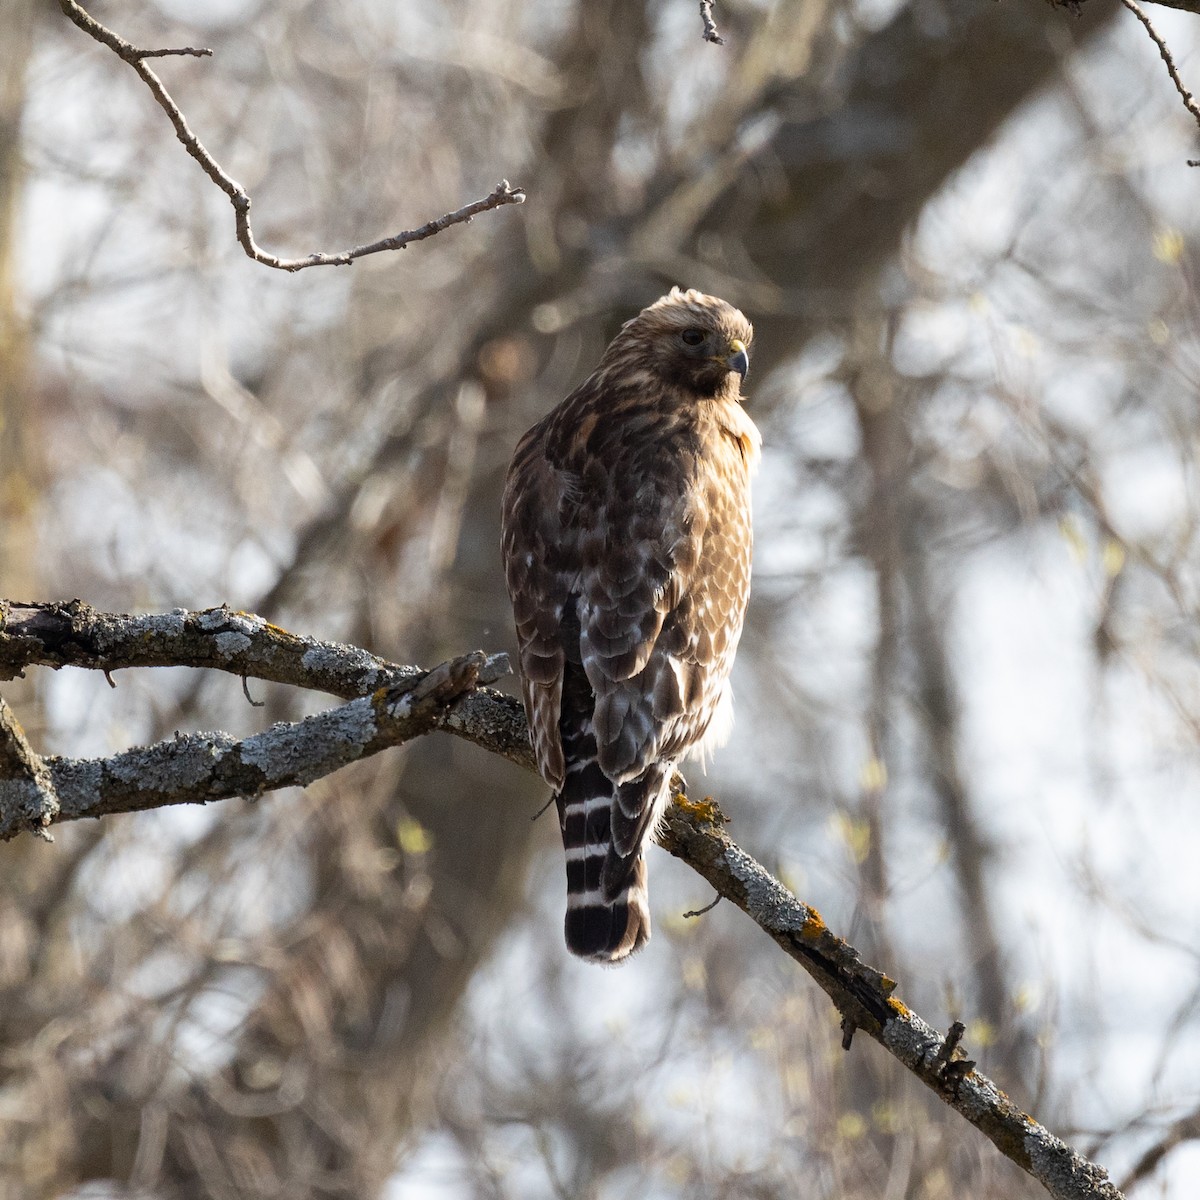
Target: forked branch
502, 194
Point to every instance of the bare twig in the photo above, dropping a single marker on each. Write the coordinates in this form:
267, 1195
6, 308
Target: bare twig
136, 57
1076, 6
394, 704
699, 912
710, 33
1188, 100
952, 1062
193, 51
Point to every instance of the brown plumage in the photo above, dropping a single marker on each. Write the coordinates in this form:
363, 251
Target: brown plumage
627, 540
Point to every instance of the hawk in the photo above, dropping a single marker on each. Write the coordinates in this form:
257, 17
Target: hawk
627, 540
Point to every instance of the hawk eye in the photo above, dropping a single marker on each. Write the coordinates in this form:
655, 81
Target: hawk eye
692, 337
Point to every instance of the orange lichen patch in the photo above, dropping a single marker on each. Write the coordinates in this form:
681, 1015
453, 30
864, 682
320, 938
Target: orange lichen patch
706, 810
814, 925
899, 1009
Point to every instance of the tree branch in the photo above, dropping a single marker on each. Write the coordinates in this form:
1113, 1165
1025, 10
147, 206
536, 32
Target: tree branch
710, 33
200, 767
1192, 6
74, 634
1186, 1129
864, 997
136, 57
1188, 101
27, 793
394, 704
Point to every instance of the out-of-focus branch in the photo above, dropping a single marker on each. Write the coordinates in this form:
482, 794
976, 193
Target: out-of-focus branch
1186, 1129
136, 57
1188, 100
399, 703
1076, 6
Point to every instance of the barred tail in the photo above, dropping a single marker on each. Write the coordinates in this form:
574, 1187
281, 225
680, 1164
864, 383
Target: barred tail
607, 913
604, 924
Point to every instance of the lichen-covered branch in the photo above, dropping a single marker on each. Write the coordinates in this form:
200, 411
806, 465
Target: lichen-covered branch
136, 57
392, 704
864, 997
26, 787
74, 634
199, 767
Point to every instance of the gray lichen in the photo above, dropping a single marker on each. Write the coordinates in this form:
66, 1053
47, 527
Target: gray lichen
333, 659
172, 766
767, 900
170, 624
213, 618
307, 751
230, 643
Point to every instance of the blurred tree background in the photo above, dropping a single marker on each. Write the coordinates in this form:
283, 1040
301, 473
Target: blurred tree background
969, 690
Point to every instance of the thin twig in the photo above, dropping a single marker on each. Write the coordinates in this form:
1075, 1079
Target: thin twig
195, 52
710, 26
952, 1062
1188, 100
136, 57
699, 912
1192, 6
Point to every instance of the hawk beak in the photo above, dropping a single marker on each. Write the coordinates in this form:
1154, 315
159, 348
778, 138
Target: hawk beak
738, 359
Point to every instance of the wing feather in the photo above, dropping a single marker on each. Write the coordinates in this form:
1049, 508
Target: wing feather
541, 571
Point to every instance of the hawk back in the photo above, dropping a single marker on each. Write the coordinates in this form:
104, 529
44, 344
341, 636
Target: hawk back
627, 539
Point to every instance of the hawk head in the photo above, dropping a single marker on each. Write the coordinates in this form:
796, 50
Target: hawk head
692, 341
